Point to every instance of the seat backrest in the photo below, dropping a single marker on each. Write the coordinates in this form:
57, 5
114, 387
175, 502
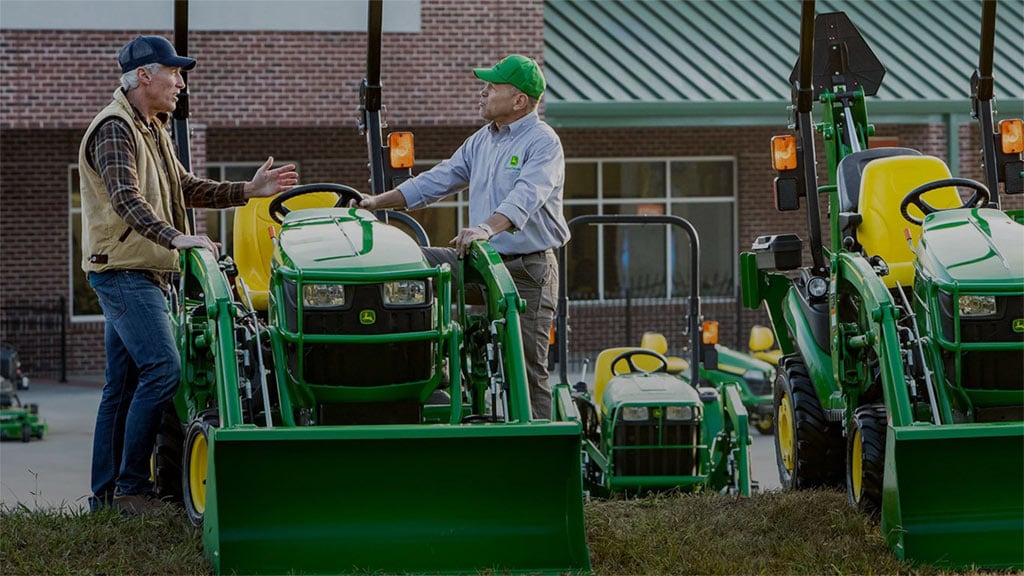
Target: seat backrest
761, 338
657, 342
884, 184
254, 247
850, 171
603, 369
654, 341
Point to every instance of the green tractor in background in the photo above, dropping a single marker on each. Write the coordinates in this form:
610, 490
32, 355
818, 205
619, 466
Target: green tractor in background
755, 380
18, 420
902, 374
342, 410
648, 422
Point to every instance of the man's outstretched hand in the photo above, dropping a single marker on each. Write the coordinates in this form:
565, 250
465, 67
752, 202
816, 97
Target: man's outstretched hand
269, 182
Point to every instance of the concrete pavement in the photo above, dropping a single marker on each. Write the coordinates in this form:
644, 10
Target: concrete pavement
53, 472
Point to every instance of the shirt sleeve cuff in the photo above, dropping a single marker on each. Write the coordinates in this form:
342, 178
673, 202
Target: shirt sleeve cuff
166, 237
410, 191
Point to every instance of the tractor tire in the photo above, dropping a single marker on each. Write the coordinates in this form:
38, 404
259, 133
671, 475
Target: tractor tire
865, 458
194, 474
809, 449
166, 460
26, 432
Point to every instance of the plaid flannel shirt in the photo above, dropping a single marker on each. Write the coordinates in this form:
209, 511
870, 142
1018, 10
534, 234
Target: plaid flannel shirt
113, 154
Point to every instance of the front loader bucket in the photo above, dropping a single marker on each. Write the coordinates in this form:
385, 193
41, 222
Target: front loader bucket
396, 499
954, 495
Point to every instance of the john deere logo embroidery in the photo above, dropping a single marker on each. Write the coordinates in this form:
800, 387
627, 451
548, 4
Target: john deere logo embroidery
367, 317
513, 162
1018, 325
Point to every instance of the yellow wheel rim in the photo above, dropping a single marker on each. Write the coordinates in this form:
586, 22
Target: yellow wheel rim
197, 473
857, 466
784, 429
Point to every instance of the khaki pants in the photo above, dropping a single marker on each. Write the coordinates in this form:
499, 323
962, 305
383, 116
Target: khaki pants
536, 279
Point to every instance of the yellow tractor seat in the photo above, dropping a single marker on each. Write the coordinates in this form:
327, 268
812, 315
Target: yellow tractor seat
254, 246
883, 185
656, 341
761, 342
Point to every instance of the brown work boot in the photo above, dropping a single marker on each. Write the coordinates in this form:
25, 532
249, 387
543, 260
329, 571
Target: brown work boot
139, 504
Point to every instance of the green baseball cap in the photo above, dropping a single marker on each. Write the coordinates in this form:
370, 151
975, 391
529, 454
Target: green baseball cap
517, 70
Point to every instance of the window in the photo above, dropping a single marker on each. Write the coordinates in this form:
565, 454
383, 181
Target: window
84, 305
632, 261
220, 223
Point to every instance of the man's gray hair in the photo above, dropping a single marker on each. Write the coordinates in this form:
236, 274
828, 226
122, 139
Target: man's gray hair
130, 79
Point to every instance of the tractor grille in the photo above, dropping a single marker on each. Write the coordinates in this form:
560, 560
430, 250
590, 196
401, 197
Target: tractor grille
363, 365
655, 458
987, 370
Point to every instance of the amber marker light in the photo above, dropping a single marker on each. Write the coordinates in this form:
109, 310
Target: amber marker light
400, 144
784, 153
709, 332
1012, 132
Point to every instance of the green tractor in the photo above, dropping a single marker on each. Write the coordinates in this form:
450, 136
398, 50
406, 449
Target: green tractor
755, 376
648, 423
18, 420
902, 374
345, 411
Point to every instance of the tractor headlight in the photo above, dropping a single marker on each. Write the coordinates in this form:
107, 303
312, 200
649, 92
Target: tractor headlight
635, 413
405, 292
323, 295
971, 305
679, 413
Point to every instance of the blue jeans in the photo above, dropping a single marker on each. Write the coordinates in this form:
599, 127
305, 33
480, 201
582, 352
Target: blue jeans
143, 371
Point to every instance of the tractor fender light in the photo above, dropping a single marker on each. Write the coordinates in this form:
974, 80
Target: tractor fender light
709, 332
784, 153
1011, 134
400, 145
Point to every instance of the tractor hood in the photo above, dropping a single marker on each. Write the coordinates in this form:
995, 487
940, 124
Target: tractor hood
326, 239
981, 248
648, 389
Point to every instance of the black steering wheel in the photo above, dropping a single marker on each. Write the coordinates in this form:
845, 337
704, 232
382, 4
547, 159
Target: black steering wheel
628, 357
345, 194
980, 197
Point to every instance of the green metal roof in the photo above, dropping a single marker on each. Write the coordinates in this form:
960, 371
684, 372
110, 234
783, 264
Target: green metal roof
727, 62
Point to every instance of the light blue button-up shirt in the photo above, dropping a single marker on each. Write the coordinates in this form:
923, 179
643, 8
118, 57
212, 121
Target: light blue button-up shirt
517, 171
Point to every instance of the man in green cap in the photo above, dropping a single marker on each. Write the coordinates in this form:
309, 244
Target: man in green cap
514, 168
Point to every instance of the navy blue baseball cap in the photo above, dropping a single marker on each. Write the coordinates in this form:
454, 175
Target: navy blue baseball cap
151, 50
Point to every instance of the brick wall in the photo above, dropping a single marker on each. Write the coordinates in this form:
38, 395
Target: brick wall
290, 79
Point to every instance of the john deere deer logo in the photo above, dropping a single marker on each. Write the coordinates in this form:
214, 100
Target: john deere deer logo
513, 161
1018, 325
367, 317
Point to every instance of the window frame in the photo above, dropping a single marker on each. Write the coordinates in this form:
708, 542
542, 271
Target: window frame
72, 262
667, 201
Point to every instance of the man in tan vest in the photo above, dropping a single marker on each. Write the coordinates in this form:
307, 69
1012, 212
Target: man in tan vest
134, 196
